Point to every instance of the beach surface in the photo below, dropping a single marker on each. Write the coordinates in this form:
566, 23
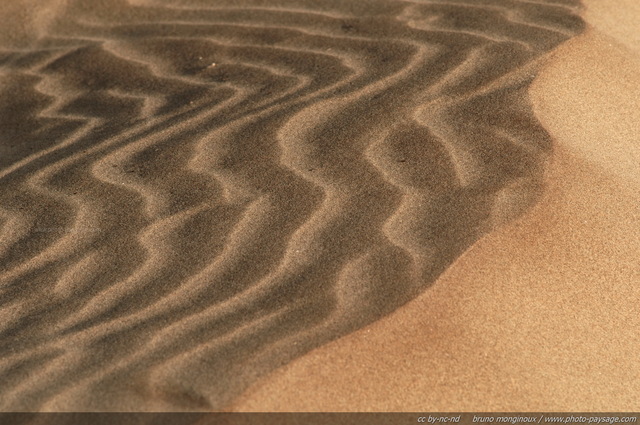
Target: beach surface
292, 205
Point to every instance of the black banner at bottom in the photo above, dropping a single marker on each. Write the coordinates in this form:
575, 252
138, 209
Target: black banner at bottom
546, 418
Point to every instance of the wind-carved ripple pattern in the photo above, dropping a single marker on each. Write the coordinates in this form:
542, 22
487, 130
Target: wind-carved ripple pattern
194, 193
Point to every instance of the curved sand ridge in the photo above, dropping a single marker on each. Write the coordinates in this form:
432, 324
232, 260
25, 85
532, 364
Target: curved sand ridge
195, 193
539, 315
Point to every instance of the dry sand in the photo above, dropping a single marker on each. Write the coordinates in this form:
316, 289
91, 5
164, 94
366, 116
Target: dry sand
195, 194
541, 315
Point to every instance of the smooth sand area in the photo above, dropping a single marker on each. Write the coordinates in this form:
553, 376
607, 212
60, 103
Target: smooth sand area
542, 314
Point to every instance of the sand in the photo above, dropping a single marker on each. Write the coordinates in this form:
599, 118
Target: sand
541, 315
299, 205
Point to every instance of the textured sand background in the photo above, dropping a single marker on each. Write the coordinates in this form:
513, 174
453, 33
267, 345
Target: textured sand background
221, 205
543, 314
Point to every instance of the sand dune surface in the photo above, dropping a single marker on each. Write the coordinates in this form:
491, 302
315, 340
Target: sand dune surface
256, 205
540, 315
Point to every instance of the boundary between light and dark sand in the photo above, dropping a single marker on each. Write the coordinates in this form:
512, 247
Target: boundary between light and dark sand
541, 314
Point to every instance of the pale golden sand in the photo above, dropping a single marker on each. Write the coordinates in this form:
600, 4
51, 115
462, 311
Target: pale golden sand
542, 314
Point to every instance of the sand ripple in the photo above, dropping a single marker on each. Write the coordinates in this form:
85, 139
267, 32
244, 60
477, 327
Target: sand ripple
194, 193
